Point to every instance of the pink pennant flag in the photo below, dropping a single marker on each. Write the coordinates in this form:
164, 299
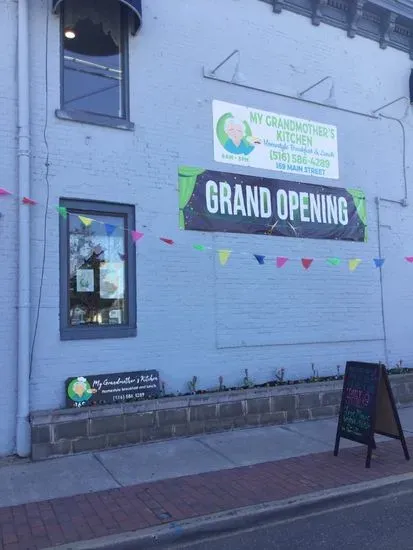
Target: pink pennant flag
281, 261
136, 235
28, 201
4, 192
306, 262
409, 259
167, 241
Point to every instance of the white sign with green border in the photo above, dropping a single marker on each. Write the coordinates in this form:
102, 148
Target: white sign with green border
250, 137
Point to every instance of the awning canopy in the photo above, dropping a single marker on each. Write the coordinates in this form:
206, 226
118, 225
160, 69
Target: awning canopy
135, 7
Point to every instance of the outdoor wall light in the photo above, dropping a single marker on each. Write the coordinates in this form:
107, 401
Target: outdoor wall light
70, 33
237, 77
331, 100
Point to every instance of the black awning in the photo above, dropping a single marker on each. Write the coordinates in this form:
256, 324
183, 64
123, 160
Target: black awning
135, 7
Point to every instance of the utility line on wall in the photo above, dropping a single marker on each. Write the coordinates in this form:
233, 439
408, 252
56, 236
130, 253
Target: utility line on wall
47, 165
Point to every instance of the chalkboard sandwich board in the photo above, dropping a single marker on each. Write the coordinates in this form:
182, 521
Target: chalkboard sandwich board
106, 389
368, 407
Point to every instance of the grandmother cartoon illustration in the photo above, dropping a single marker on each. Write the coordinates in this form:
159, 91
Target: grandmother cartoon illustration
237, 142
79, 390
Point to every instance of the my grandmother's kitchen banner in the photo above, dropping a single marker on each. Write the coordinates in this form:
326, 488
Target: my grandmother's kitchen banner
260, 139
234, 203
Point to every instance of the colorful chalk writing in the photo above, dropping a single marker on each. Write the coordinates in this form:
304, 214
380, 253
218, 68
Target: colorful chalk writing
356, 397
359, 391
356, 421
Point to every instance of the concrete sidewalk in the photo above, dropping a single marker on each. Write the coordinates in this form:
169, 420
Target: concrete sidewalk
83, 497
85, 473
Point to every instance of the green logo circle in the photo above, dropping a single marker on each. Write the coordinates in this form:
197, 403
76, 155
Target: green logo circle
234, 134
79, 390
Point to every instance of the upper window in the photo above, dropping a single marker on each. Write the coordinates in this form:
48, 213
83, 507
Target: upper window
94, 46
97, 270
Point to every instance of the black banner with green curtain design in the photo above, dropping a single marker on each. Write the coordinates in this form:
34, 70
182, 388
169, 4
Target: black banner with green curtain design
235, 203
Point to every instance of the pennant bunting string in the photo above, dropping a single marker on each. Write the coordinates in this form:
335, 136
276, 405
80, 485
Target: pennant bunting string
223, 254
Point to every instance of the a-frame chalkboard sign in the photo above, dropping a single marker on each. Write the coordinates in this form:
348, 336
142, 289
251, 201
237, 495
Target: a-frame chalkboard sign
368, 407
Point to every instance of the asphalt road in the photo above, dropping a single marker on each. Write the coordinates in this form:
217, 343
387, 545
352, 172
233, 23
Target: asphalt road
381, 523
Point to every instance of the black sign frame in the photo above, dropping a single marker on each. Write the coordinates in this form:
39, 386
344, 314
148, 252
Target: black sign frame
195, 215
382, 395
114, 388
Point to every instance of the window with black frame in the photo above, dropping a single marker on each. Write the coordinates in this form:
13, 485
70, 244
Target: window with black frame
97, 264
94, 48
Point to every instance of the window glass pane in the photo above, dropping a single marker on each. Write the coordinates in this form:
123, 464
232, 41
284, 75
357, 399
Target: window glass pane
93, 66
97, 271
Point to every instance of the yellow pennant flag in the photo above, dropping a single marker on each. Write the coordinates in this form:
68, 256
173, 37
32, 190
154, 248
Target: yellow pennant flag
353, 264
86, 221
223, 256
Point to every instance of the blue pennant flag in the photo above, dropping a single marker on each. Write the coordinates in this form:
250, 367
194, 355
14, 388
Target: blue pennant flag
110, 229
378, 262
260, 259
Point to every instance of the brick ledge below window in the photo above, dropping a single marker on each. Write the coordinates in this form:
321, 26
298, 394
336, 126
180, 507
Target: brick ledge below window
97, 333
92, 118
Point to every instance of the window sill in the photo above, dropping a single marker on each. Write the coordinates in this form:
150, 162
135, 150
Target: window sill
97, 120
97, 333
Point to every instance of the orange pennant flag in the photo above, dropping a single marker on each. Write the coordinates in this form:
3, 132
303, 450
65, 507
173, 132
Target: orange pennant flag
306, 262
28, 201
167, 241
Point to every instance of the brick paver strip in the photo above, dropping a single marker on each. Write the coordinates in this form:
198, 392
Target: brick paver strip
84, 517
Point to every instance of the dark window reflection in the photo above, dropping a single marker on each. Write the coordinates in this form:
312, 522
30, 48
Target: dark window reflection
93, 43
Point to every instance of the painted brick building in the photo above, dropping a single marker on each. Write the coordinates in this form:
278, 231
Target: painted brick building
193, 316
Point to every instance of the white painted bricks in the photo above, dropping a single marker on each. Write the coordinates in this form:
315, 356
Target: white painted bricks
196, 318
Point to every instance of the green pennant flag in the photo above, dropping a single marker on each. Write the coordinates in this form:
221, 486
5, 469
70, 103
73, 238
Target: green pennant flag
334, 261
199, 247
62, 211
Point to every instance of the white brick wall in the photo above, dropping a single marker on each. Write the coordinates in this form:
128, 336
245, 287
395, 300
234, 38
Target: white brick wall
195, 317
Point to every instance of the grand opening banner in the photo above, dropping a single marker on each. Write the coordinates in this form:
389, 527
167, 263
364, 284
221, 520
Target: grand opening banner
234, 203
260, 139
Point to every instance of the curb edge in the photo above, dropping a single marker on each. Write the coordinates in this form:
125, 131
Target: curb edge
228, 521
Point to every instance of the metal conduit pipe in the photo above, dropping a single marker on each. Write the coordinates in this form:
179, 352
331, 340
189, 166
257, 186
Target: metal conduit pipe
23, 443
